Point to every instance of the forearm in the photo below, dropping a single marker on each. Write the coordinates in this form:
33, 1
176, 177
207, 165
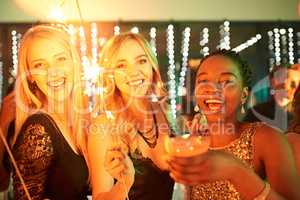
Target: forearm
254, 185
118, 192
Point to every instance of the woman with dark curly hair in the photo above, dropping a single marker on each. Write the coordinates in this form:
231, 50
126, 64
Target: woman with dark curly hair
241, 155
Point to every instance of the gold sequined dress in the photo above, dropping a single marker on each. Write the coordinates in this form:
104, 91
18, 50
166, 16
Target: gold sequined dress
241, 148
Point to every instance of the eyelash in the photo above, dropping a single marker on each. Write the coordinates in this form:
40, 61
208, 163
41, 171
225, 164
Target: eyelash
61, 59
142, 61
38, 65
120, 65
202, 81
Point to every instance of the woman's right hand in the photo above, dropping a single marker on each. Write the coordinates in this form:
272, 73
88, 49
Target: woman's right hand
119, 166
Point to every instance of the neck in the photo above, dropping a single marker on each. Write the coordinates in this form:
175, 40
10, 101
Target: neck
141, 112
223, 132
57, 109
139, 107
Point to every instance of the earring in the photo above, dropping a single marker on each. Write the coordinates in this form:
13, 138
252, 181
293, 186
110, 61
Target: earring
272, 91
243, 109
196, 108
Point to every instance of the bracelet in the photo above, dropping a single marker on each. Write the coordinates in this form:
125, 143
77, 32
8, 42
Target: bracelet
264, 194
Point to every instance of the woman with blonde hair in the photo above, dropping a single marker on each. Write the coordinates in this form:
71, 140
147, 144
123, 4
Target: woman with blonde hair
49, 145
130, 124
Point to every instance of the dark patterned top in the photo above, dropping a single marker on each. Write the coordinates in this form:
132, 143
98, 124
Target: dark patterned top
49, 166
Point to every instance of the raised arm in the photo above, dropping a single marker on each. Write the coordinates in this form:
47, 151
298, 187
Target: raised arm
101, 163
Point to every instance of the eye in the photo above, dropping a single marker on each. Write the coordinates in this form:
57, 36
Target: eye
142, 61
226, 83
199, 81
120, 65
61, 58
38, 65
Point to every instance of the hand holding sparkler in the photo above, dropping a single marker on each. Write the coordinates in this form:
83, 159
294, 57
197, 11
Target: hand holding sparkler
118, 164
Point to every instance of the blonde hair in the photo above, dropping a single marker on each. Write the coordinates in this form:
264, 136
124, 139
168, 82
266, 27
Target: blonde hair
28, 102
112, 47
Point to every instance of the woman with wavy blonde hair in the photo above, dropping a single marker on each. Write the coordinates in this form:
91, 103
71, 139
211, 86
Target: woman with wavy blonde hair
130, 125
49, 145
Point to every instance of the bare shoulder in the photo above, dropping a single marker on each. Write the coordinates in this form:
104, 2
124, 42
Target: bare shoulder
268, 139
267, 134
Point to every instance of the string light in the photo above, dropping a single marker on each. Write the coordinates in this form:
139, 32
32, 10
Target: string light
277, 46
171, 69
153, 40
248, 43
94, 34
135, 30
291, 45
224, 36
271, 50
284, 44
117, 30
204, 42
14, 52
185, 53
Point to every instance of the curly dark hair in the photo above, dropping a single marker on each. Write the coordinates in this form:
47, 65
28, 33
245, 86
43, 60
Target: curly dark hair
242, 65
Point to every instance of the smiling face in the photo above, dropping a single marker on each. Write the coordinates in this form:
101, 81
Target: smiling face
218, 88
51, 68
134, 72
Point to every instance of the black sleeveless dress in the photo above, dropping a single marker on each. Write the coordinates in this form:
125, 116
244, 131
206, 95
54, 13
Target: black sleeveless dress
49, 166
150, 182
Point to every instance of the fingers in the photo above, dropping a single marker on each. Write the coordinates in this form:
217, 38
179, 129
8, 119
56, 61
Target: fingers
114, 154
190, 180
187, 161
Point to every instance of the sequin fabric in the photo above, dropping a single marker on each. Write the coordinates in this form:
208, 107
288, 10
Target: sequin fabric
242, 148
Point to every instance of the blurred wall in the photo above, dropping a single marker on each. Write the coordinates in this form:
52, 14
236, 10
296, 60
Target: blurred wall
151, 10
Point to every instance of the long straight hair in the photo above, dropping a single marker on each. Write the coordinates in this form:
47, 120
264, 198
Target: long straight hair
29, 101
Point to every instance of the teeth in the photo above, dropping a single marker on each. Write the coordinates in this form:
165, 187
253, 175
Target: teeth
56, 83
213, 101
134, 83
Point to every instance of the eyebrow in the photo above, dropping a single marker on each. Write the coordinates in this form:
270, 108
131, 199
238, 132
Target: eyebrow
137, 57
58, 54
41, 59
142, 55
201, 74
229, 73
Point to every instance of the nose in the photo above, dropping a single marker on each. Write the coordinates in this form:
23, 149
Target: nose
212, 88
132, 70
54, 71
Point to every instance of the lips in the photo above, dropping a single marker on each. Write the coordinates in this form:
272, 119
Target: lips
57, 83
214, 104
